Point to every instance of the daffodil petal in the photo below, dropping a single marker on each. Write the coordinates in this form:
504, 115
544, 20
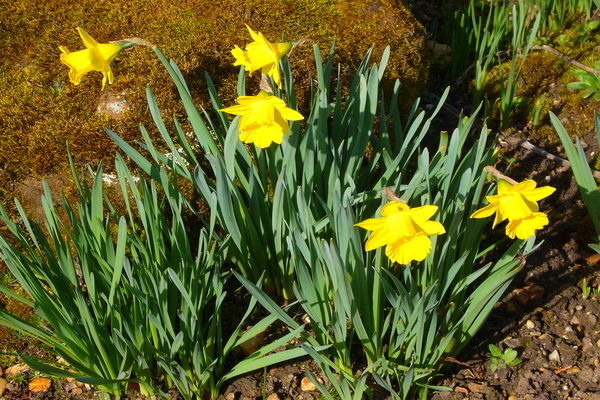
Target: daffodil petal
526, 227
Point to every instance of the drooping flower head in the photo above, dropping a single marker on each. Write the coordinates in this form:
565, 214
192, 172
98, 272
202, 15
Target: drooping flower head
403, 230
96, 57
261, 54
518, 204
263, 118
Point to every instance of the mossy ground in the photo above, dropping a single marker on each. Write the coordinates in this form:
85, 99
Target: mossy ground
41, 110
543, 84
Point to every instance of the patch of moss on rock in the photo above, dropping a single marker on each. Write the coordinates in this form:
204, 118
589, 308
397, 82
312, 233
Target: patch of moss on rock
41, 109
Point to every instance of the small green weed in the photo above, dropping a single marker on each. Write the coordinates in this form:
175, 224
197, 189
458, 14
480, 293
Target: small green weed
587, 290
588, 82
501, 360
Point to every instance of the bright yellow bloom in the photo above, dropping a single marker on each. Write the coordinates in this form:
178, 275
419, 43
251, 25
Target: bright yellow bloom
518, 204
261, 54
263, 118
403, 230
96, 57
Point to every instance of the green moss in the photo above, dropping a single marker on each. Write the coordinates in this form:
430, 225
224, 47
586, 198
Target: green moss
41, 109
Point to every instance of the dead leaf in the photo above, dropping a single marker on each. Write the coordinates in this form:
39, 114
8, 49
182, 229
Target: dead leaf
529, 293
40, 384
2, 386
454, 360
594, 258
475, 387
16, 370
462, 390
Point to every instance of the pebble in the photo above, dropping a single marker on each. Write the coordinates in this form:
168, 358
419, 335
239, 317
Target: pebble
573, 370
586, 344
530, 324
230, 396
273, 396
554, 356
306, 384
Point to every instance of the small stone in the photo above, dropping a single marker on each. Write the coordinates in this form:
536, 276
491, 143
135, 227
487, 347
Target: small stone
306, 384
273, 396
554, 356
592, 318
511, 397
513, 343
579, 307
586, 344
575, 320
598, 343
529, 324
230, 396
76, 391
253, 344
536, 333
2, 386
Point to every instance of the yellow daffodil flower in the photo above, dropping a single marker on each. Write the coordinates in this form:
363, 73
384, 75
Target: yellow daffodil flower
96, 57
261, 54
263, 118
518, 204
403, 230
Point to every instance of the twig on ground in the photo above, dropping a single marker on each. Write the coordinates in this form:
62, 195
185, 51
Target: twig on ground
527, 145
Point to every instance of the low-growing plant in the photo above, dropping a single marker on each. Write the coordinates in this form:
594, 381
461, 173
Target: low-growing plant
588, 82
502, 359
587, 290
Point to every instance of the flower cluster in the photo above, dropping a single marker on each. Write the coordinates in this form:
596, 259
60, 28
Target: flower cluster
517, 204
405, 231
264, 117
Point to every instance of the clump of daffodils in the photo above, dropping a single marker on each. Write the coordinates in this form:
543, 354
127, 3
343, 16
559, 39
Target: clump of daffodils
518, 204
403, 230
